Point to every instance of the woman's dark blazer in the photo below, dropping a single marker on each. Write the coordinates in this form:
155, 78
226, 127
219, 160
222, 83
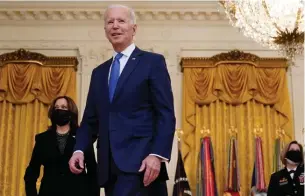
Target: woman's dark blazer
57, 178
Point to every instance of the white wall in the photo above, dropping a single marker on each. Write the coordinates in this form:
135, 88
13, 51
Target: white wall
178, 34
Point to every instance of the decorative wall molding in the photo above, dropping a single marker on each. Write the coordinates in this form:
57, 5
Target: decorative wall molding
94, 11
233, 56
150, 45
22, 55
142, 15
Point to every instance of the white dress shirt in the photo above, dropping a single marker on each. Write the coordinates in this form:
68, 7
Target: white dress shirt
123, 60
291, 174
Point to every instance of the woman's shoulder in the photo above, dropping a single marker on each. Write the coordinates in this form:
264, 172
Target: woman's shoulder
44, 134
301, 167
279, 173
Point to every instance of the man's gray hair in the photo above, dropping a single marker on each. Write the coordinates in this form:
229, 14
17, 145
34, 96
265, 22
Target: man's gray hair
131, 12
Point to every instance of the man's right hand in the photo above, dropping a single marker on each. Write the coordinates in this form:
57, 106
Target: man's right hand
76, 162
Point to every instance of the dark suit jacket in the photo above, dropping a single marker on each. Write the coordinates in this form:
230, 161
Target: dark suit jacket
281, 183
139, 121
57, 178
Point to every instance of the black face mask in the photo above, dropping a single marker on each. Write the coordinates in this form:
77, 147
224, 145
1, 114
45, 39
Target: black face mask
61, 117
294, 155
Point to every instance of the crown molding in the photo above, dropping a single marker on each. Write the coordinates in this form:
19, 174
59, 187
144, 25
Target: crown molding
94, 11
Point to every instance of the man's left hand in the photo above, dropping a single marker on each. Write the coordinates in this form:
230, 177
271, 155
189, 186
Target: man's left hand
151, 164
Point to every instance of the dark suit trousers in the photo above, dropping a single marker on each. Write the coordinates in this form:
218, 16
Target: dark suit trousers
131, 184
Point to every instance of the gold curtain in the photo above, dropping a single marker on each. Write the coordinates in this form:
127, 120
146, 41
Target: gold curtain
26, 89
230, 92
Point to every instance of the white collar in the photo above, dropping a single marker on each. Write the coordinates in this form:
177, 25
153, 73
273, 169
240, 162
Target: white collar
294, 169
127, 52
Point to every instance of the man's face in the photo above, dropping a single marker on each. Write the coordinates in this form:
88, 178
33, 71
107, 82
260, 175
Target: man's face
119, 28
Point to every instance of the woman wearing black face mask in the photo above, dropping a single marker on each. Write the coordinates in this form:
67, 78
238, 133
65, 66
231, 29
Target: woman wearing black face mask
53, 149
290, 180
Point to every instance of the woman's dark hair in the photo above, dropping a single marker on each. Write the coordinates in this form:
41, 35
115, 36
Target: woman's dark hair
71, 107
286, 149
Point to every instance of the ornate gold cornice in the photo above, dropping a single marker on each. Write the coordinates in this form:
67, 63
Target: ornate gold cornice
25, 56
84, 11
232, 57
235, 55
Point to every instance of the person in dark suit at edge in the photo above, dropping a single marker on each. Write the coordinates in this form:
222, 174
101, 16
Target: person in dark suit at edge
53, 149
289, 180
130, 104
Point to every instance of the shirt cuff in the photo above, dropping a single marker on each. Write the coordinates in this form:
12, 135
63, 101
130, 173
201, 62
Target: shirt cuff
163, 159
78, 151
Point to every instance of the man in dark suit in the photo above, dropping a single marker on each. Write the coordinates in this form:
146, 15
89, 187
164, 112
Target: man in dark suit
130, 103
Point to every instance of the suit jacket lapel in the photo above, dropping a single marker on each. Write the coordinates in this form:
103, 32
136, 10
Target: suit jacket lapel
54, 144
104, 77
297, 173
129, 67
287, 175
69, 146
52, 141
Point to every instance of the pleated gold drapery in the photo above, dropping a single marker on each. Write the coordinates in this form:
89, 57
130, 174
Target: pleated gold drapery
28, 84
231, 92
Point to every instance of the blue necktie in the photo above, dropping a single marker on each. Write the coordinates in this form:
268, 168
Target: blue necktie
114, 75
